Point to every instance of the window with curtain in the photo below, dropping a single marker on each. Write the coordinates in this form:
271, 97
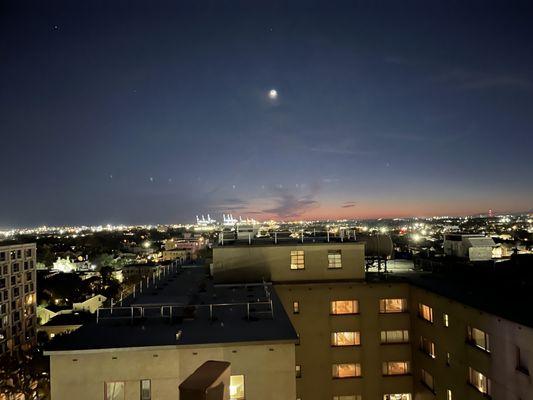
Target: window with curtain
479, 381
347, 370
392, 305
396, 336
425, 312
478, 338
114, 391
236, 387
396, 368
339, 307
345, 339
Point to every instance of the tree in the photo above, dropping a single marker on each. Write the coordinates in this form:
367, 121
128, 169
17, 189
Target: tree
24, 373
46, 255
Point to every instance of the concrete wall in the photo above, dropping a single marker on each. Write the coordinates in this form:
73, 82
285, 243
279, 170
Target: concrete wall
268, 370
272, 263
315, 354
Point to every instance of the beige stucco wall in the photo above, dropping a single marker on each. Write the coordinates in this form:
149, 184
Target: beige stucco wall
272, 263
315, 354
268, 370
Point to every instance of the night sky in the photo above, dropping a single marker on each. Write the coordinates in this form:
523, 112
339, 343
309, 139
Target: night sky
156, 111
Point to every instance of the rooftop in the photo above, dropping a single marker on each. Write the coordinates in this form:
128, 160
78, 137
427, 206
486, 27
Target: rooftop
281, 240
503, 290
73, 318
185, 308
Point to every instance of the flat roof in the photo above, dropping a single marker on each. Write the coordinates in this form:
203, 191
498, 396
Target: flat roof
504, 292
188, 287
73, 318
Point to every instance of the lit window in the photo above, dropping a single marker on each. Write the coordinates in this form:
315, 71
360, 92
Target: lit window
146, 389
339, 307
427, 379
392, 305
427, 347
397, 396
400, 336
446, 320
334, 259
298, 370
425, 312
297, 259
348, 397
396, 368
236, 387
296, 307
114, 391
346, 370
345, 339
478, 338
479, 381
449, 395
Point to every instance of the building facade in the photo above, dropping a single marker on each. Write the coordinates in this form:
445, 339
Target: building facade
365, 337
17, 296
359, 336
258, 371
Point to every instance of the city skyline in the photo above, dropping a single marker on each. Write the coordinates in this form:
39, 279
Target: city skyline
136, 115
218, 220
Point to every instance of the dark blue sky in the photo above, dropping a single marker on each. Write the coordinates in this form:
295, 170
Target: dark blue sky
155, 111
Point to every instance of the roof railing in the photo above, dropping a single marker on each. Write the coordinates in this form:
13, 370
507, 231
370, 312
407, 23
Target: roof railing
169, 311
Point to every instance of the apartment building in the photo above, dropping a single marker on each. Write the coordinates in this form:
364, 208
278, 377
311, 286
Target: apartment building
331, 331
353, 334
147, 347
464, 352
393, 337
17, 296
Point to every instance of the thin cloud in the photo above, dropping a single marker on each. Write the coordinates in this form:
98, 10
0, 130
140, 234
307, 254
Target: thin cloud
340, 151
289, 205
235, 201
348, 204
467, 79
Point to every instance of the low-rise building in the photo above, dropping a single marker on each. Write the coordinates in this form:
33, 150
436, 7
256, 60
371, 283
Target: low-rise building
160, 336
471, 247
